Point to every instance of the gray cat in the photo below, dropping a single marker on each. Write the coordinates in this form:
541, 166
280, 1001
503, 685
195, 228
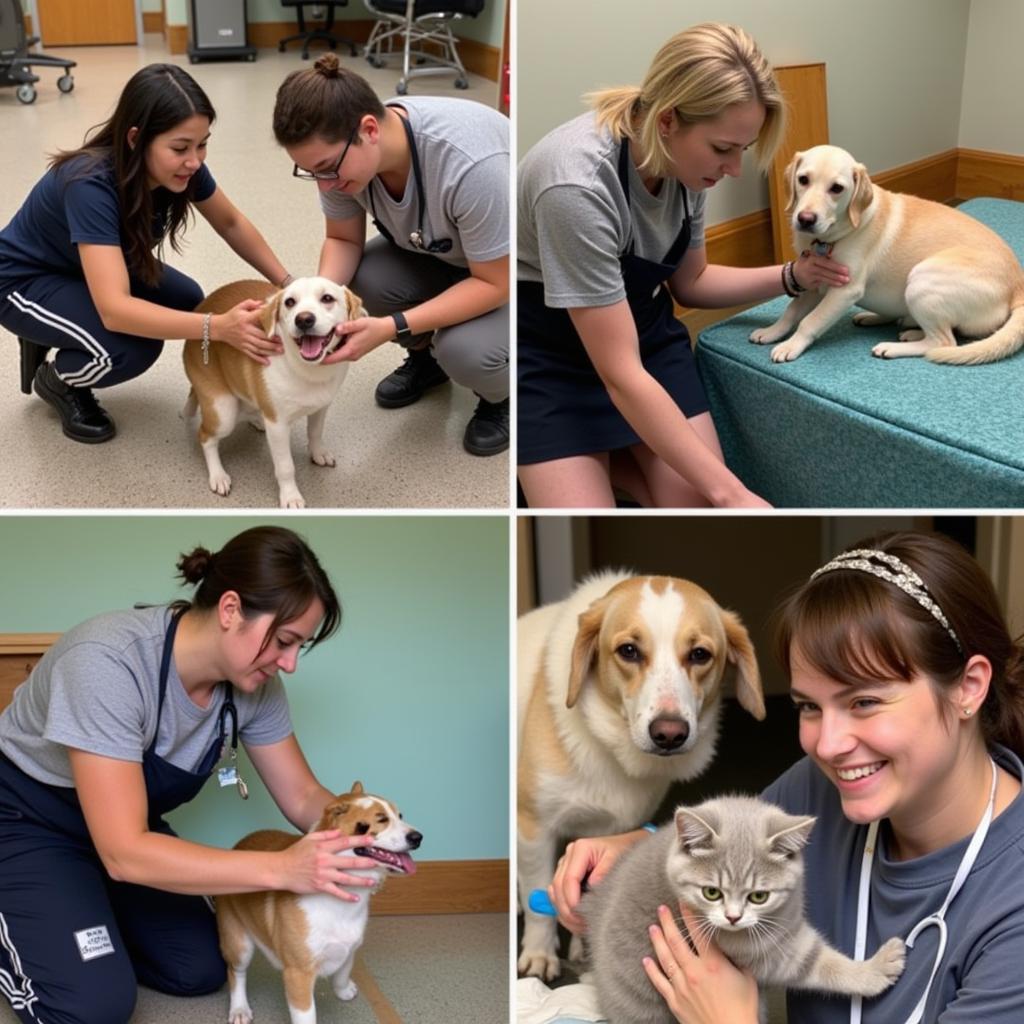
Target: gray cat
736, 861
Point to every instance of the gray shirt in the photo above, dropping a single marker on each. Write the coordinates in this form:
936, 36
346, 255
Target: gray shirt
574, 222
97, 689
980, 980
463, 149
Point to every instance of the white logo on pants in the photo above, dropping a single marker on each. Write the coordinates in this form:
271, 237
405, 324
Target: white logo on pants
94, 942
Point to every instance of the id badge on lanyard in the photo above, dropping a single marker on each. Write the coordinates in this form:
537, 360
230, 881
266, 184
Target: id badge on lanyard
228, 775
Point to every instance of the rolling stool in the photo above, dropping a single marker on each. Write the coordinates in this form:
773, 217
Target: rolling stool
32, 357
308, 35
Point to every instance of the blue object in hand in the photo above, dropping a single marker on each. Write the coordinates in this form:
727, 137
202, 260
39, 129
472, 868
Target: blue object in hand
541, 904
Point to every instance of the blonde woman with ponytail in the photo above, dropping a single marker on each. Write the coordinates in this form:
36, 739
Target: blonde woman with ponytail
611, 229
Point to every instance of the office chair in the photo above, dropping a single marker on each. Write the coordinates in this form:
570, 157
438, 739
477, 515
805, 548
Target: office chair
308, 35
415, 23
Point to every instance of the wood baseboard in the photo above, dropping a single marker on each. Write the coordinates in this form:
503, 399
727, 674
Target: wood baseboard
982, 173
479, 58
447, 887
153, 21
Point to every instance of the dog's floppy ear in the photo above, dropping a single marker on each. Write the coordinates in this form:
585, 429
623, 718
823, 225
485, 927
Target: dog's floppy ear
790, 177
354, 304
584, 649
268, 315
741, 654
862, 193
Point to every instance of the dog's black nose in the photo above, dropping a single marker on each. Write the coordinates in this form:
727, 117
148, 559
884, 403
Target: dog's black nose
304, 321
414, 839
807, 220
668, 734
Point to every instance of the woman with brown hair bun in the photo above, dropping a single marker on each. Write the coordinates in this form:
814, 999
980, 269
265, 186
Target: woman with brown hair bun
124, 719
432, 173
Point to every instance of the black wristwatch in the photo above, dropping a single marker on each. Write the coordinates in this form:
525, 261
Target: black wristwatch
402, 333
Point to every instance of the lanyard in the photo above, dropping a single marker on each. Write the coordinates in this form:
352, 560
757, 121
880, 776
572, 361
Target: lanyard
938, 919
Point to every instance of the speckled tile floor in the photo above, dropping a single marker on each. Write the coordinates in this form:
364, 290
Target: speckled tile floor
404, 458
444, 969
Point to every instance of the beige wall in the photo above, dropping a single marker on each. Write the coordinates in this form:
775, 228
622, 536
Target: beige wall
992, 112
896, 68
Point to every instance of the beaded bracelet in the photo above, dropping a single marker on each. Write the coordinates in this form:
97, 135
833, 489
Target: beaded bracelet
206, 338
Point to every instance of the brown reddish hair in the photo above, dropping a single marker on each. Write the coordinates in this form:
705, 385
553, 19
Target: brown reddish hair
855, 627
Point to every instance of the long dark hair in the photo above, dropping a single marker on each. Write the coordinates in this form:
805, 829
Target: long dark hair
326, 100
855, 627
156, 98
272, 569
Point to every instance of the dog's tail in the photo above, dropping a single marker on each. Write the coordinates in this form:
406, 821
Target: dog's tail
1003, 343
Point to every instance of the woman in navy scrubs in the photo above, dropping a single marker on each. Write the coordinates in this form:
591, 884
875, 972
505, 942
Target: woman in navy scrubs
123, 720
611, 230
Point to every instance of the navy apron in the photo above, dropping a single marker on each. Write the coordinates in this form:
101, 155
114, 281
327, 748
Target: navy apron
563, 405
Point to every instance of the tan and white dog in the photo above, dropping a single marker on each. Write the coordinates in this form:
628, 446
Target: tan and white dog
295, 384
931, 267
619, 694
315, 935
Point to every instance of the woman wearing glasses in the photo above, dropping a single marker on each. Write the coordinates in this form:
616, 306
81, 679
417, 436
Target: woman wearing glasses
432, 173
77, 267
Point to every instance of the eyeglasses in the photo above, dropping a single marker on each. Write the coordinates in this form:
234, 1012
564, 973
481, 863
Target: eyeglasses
332, 175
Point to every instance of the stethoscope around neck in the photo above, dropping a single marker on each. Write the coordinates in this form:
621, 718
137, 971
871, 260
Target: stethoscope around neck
936, 920
416, 239
228, 775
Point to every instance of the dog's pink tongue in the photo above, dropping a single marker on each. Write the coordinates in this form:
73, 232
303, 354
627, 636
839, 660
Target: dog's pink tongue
312, 345
408, 864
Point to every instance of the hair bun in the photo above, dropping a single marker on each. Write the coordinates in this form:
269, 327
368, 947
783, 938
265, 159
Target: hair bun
328, 65
194, 566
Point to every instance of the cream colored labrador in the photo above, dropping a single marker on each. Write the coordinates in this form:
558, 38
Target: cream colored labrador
934, 269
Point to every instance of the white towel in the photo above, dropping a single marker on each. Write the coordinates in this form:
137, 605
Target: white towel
538, 1004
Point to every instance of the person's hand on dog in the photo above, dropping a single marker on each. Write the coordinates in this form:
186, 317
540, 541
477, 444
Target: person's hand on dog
699, 984
812, 271
585, 860
360, 337
240, 328
311, 865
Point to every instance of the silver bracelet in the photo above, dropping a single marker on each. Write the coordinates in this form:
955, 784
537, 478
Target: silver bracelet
206, 338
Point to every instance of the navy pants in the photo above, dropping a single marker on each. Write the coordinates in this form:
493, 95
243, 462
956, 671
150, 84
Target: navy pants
58, 312
73, 943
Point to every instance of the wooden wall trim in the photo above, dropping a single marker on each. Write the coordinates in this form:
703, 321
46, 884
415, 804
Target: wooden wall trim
153, 21
982, 173
447, 887
27, 643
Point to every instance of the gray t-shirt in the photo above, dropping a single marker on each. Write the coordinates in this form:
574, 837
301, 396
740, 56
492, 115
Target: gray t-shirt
574, 222
980, 977
463, 150
97, 689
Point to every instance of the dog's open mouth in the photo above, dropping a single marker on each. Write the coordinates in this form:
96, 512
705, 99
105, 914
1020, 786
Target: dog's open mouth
312, 346
400, 862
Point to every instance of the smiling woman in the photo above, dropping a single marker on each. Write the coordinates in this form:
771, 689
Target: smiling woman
122, 721
78, 271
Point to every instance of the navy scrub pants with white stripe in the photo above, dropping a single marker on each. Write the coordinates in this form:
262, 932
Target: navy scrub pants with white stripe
59, 312
74, 944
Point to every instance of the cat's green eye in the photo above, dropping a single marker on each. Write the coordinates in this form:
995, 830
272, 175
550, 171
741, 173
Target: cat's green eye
758, 897
709, 892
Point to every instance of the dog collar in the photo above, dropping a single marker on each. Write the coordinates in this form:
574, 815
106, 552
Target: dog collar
822, 248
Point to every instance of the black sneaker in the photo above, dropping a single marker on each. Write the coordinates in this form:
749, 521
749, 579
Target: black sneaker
81, 416
419, 373
487, 431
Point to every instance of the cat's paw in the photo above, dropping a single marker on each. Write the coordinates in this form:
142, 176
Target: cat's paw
539, 964
887, 964
576, 953
768, 335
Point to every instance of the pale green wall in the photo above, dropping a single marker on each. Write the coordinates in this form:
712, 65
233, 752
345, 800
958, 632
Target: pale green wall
487, 27
410, 696
895, 68
992, 117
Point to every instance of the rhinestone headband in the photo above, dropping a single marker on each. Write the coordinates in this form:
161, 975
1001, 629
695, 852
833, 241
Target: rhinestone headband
898, 573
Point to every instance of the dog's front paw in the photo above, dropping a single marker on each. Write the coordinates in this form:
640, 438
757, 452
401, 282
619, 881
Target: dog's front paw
220, 483
538, 964
789, 350
240, 1014
767, 335
347, 992
322, 458
291, 498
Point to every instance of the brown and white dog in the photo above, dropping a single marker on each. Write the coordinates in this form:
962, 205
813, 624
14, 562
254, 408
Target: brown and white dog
619, 694
293, 385
310, 936
931, 267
